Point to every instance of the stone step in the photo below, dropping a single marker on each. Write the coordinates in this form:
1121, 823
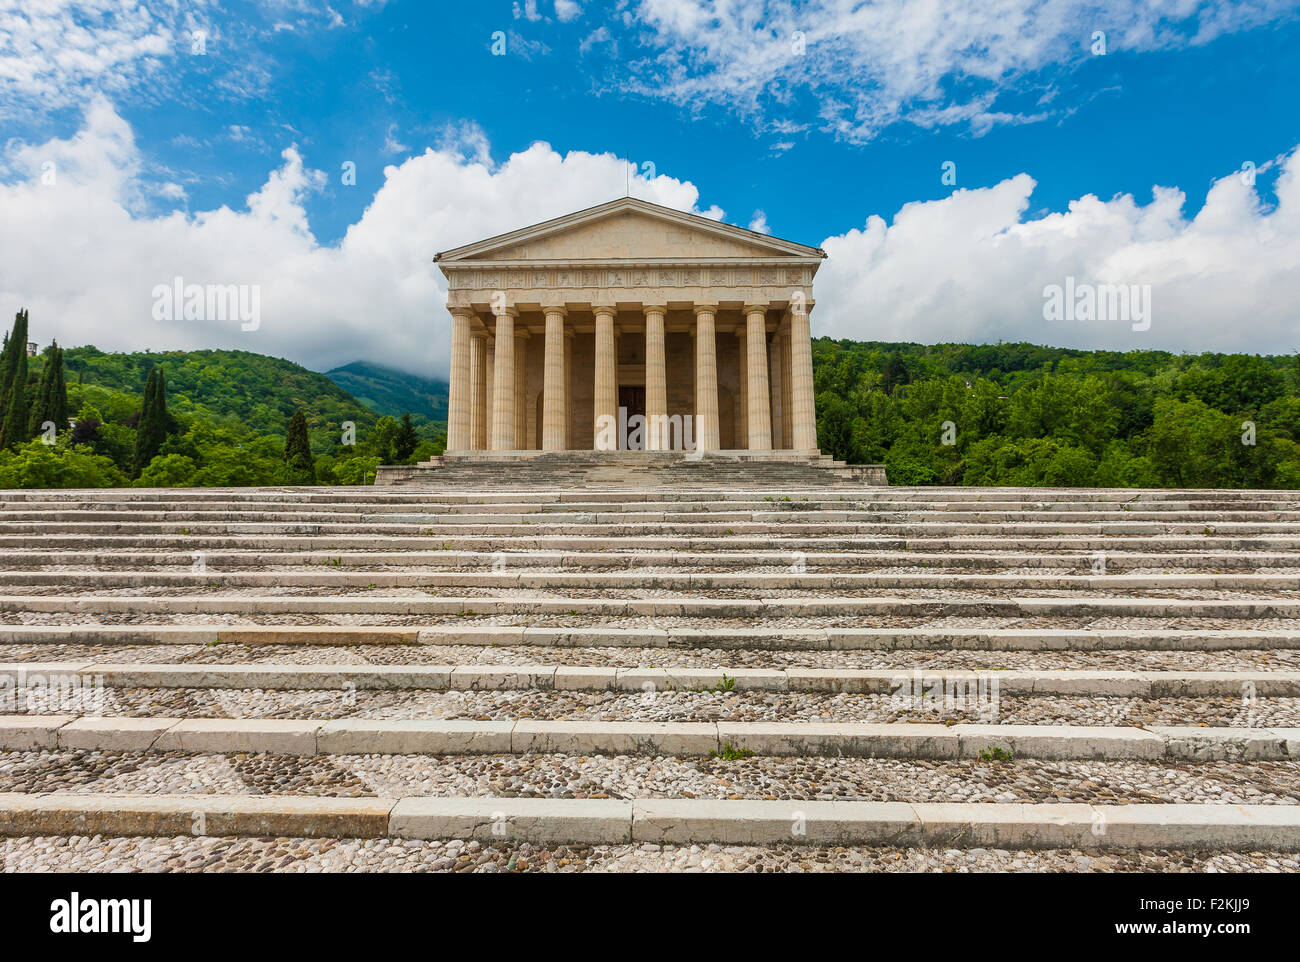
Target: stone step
678, 821
634, 580
734, 544
635, 505
656, 493
683, 607
1116, 561
759, 638
430, 526
482, 515
360, 736
17, 676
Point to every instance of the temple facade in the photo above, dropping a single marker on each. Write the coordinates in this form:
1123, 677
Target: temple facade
631, 326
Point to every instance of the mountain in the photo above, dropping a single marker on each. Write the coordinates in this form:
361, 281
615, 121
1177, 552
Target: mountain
253, 391
393, 392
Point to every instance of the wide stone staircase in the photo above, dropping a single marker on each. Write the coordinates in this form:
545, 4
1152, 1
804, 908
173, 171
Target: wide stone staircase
750, 678
523, 470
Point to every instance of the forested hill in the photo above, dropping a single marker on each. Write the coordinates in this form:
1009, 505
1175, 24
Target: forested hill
218, 418
1018, 414
393, 392
255, 392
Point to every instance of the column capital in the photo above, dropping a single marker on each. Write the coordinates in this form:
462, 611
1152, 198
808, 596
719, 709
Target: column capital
467, 312
648, 309
599, 309
549, 309
698, 309
509, 310
522, 334
751, 308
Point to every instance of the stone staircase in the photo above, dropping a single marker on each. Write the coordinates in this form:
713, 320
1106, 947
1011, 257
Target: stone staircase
744, 676
521, 470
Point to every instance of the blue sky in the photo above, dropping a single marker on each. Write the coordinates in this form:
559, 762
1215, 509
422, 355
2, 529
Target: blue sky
805, 119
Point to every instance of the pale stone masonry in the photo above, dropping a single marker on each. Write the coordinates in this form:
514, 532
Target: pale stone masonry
635, 309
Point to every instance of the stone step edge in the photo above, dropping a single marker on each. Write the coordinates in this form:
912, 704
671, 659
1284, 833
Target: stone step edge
803, 639
467, 606
512, 821
586, 579
356, 736
584, 560
16, 677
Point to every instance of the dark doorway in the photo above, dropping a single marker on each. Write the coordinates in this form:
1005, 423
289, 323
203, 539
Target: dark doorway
632, 397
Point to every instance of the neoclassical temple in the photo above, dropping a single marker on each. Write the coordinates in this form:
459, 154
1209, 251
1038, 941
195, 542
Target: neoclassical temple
568, 334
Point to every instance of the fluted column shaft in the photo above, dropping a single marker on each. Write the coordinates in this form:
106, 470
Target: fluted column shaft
503, 395
804, 416
656, 381
775, 363
478, 357
787, 403
459, 388
554, 394
742, 395
568, 388
521, 388
706, 381
758, 408
606, 387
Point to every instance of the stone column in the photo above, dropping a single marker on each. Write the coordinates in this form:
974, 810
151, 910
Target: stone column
606, 401
568, 388
804, 418
554, 396
460, 389
521, 388
706, 379
742, 392
787, 429
503, 394
656, 380
758, 409
778, 401
478, 355
489, 349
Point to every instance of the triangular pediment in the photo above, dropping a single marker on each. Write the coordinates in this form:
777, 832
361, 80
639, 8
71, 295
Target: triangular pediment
628, 229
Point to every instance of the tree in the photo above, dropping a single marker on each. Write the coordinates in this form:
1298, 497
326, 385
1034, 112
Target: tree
405, 441
298, 465
14, 430
149, 432
14, 357
894, 374
51, 396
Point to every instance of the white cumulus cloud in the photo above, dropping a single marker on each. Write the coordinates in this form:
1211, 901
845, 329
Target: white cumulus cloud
84, 255
969, 267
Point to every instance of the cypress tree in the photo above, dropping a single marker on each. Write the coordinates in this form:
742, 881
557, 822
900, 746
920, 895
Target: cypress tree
15, 348
58, 410
149, 432
51, 402
15, 426
299, 467
405, 441
41, 403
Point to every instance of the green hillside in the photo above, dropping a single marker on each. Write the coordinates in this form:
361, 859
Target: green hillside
1019, 414
252, 391
222, 419
393, 392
